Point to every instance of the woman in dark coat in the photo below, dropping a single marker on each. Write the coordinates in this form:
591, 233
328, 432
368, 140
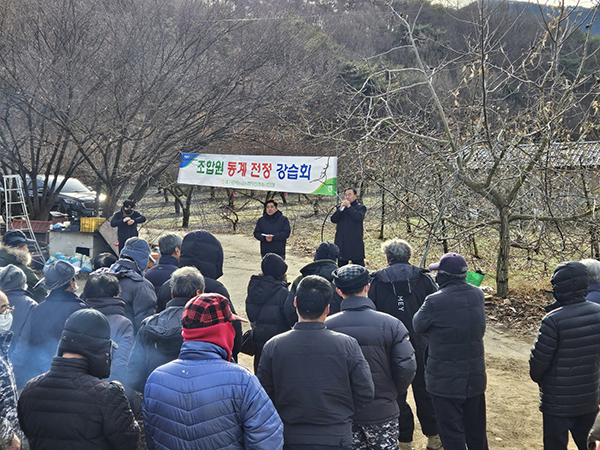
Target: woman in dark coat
272, 230
265, 302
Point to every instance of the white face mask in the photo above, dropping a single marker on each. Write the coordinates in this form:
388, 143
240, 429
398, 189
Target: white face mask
6, 320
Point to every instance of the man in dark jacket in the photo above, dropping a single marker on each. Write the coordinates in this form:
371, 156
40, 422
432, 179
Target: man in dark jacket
137, 292
565, 360
349, 218
102, 294
125, 221
42, 331
159, 338
323, 265
202, 250
15, 250
317, 379
385, 343
203, 401
272, 230
70, 407
593, 271
265, 302
454, 319
169, 246
400, 290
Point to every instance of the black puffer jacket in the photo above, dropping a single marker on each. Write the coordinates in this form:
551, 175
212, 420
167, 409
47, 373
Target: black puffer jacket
400, 290
349, 232
67, 408
279, 226
386, 345
454, 319
322, 268
264, 308
158, 342
565, 358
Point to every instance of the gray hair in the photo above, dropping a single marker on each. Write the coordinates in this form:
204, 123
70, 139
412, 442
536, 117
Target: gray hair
185, 282
168, 243
397, 250
593, 269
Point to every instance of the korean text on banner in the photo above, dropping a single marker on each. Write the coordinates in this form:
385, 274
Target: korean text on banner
307, 175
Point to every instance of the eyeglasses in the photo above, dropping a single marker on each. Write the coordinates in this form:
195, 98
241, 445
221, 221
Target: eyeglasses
6, 308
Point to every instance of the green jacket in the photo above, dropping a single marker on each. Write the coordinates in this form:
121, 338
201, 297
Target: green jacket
21, 259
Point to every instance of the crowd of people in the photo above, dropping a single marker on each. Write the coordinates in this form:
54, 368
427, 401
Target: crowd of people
335, 351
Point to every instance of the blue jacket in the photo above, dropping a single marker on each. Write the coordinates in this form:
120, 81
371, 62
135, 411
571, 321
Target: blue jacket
593, 294
160, 273
203, 401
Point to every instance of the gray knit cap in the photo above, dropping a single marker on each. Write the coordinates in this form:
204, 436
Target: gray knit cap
11, 278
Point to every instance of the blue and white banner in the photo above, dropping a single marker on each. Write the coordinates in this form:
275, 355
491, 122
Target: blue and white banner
303, 174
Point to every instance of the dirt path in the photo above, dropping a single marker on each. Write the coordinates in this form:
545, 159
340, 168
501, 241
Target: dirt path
513, 419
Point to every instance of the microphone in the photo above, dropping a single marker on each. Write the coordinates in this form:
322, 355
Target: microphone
342, 208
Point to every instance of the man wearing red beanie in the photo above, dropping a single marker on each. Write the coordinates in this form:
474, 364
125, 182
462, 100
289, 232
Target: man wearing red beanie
202, 400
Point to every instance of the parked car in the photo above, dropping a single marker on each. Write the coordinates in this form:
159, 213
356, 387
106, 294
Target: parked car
75, 198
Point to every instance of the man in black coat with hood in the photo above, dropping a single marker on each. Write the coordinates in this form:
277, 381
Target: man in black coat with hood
200, 249
70, 407
565, 359
272, 230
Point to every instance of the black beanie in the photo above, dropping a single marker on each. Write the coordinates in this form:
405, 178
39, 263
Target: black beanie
274, 265
327, 250
87, 333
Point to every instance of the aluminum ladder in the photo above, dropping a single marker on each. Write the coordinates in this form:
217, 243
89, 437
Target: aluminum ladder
14, 196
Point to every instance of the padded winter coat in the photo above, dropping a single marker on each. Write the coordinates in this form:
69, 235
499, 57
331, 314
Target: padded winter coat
323, 268
121, 332
349, 232
203, 401
279, 226
318, 379
386, 346
593, 294
565, 358
158, 342
69, 409
264, 308
41, 333
400, 290
454, 319
137, 292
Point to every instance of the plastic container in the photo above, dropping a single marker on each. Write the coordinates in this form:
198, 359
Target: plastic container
90, 224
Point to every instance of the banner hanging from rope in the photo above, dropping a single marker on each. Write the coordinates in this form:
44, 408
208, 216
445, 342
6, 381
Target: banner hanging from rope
302, 174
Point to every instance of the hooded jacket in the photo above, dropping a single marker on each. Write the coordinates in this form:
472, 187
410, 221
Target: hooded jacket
565, 358
264, 308
202, 250
137, 292
322, 268
41, 333
454, 319
121, 333
22, 259
158, 342
349, 232
69, 409
399, 290
21, 300
203, 401
385, 343
279, 226
125, 231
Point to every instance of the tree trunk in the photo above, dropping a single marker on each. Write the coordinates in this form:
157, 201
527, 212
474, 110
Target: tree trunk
381, 235
186, 209
503, 253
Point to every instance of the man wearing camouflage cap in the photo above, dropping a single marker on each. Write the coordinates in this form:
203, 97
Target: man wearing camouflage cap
385, 342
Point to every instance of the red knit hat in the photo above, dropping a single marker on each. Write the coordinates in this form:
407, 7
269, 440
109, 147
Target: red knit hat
207, 310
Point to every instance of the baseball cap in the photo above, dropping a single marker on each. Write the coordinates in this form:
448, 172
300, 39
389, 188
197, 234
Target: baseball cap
451, 263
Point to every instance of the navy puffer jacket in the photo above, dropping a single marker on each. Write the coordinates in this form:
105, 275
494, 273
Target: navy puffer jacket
454, 320
565, 358
202, 401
